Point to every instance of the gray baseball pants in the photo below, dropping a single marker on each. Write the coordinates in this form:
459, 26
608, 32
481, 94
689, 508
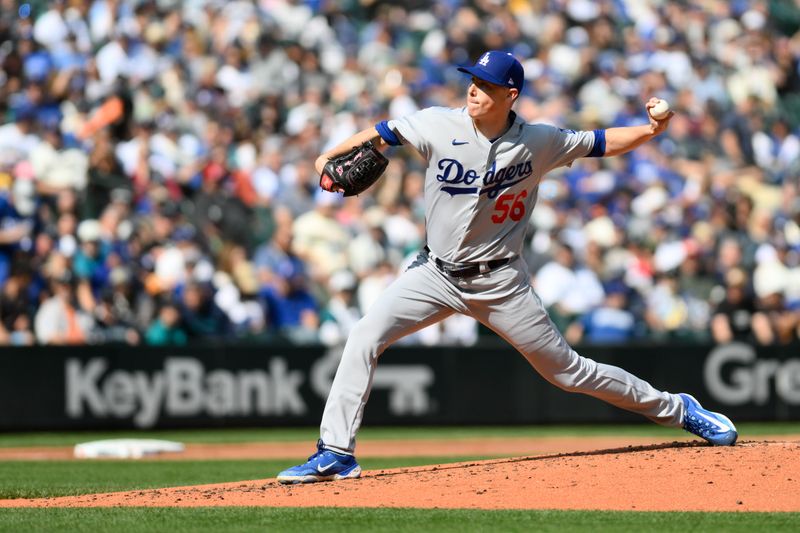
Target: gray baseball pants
504, 301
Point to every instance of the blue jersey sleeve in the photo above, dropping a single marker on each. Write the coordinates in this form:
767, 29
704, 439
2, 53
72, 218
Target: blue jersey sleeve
599, 148
386, 133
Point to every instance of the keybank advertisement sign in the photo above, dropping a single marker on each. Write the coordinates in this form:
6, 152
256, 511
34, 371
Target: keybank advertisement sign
735, 375
189, 387
183, 388
116, 387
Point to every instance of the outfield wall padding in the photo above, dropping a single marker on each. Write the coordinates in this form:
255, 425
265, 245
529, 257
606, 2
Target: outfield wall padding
106, 387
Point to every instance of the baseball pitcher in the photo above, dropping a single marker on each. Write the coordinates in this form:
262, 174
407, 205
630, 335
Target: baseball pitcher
484, 166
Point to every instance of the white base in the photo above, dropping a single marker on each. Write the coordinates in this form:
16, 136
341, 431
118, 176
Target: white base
125, 448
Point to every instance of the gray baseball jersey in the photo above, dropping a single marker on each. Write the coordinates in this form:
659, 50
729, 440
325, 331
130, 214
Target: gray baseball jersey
477, 191
478, 197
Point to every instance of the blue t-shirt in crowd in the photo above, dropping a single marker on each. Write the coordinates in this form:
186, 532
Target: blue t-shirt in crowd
608, 325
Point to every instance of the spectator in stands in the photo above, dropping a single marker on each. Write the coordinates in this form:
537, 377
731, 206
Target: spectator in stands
166, 329
16, 230
782, 323
276, 260
16, 328
736, 316
201, 316
611, 322
89, 259
18, 138
59, 320
340, 314
106, 177
695, 285
128, 303
566, 288
319, 239
57, 167
772, 281
667, 314
293, 311
111, 326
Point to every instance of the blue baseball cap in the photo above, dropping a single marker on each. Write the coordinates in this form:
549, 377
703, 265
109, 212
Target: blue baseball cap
498, 67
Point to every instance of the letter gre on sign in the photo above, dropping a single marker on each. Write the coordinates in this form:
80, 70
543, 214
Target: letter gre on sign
182, 388
750, 379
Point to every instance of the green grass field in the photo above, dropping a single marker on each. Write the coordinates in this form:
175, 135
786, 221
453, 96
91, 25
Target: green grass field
320, 520
55, 478
746, 431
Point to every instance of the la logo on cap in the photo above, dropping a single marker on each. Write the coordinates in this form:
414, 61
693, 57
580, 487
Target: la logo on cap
498, 67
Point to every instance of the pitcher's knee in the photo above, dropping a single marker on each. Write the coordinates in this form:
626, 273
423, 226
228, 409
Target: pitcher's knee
565, 382
367, 336
567, 371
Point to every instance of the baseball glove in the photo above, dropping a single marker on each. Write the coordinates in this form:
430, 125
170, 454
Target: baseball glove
355, 171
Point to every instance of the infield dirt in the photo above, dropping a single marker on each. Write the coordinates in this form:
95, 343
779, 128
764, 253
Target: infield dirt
676, 476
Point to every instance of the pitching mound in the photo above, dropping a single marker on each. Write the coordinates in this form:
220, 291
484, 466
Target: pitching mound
293, 451
679, 476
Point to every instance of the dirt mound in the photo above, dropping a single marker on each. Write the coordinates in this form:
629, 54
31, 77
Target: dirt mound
679, 476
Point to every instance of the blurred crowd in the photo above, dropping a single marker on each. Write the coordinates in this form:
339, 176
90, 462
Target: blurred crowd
157, 182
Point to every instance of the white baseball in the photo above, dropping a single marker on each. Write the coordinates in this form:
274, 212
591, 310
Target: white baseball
660, 110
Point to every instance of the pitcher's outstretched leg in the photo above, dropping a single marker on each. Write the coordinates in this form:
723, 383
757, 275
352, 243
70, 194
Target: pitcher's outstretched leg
523, 322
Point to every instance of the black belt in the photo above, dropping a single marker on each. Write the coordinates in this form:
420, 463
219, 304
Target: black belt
467, 270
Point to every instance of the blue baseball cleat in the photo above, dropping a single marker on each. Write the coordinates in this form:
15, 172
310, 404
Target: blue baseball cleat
324, 465
713, 427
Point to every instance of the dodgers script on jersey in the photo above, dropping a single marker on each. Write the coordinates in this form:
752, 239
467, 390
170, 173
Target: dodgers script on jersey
476, 191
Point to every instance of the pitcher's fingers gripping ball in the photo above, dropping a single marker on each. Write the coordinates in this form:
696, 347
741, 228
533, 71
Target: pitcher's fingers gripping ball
354, 172
660, 109
659, 114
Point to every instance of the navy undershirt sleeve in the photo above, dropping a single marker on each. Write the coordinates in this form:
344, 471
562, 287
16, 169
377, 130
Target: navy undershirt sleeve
599, 149
391, 137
